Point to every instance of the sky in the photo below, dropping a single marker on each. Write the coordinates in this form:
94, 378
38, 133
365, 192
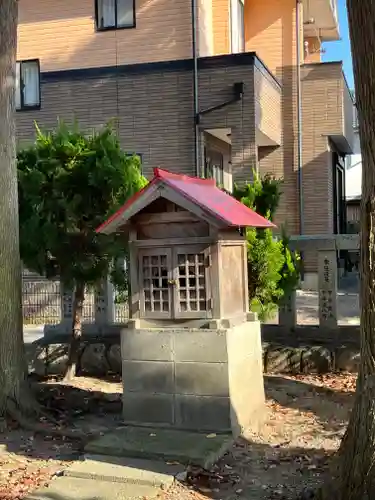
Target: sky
340, 51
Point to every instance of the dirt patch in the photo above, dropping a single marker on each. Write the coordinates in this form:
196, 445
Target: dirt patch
306, 418
29, 461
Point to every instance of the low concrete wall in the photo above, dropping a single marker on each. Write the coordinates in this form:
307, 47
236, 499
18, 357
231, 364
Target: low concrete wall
98, 355
279, 358
310, 349
307, 349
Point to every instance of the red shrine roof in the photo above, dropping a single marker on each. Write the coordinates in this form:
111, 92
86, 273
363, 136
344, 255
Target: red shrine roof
201, 192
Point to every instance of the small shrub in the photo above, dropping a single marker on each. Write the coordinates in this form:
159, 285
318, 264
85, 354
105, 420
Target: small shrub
273, 269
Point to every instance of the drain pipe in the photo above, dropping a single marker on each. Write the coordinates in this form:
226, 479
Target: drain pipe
299, 118
194, 14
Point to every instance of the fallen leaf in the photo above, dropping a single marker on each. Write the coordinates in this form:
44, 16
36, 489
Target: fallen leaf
210, 436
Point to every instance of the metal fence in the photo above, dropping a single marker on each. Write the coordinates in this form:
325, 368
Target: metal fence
42, 303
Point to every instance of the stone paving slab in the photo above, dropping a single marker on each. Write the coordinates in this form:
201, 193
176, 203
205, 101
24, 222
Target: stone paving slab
162, 444
69, 488
124, 470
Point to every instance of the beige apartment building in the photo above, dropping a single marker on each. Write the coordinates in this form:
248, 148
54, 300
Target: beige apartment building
203, 87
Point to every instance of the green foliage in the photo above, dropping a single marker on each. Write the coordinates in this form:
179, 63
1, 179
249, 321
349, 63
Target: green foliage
273, 270
265, 260
263, 195
69, 183
291, 268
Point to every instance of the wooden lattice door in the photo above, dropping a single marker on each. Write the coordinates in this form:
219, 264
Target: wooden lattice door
155, 274
191, 283
174, 283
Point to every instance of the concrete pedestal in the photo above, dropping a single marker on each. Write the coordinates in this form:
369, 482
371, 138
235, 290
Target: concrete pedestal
196, 379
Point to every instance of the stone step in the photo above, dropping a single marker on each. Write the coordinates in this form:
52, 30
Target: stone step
70, 488
124, 470
162, 444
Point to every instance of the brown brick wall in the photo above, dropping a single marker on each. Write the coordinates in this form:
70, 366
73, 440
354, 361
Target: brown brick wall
155, 110
216, 86
322, 116
282, 161
154, 120
322, 112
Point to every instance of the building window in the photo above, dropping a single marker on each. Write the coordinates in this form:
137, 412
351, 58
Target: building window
27, 84
114, 14
237, 22
214, 166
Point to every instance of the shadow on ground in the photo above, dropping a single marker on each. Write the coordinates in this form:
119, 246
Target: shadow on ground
249, 471
90, 411
330, 407
303, 429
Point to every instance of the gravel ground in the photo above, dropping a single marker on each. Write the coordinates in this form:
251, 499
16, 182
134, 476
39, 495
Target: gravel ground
306, 418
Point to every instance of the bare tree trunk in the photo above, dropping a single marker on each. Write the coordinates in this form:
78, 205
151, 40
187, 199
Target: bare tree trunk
12, 356
354, 476
75, 342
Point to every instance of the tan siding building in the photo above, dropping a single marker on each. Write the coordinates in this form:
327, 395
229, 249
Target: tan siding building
135, 63
63, 35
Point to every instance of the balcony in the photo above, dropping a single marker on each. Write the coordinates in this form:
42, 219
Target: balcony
328, 104
320, 20
267, 91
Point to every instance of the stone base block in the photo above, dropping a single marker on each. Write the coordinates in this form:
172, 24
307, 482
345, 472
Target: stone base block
196, 379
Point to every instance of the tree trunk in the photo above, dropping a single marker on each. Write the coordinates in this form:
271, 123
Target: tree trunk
354, 475
12, 356
75, 342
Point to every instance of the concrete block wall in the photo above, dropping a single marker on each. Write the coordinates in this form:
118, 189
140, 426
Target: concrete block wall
193, 378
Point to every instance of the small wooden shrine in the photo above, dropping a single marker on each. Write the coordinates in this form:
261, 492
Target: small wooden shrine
191, 352
188, 257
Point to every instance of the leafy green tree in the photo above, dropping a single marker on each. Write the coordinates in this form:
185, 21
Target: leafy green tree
273, 270
69, 183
